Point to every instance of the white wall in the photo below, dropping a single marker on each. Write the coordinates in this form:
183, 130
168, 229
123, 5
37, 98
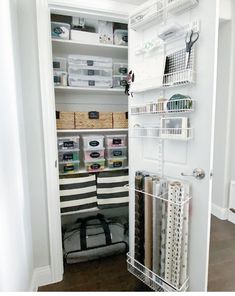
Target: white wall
33, 129
16, 254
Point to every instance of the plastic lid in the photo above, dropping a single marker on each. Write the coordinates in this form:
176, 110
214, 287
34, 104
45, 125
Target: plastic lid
95, 161
115, 136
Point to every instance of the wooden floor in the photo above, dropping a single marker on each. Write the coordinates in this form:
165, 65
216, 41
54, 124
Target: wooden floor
110, 274
222, 256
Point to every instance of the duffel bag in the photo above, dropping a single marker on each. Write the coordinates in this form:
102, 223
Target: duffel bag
93, 238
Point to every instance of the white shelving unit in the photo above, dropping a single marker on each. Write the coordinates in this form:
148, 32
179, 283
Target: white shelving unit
89, 90
92, 130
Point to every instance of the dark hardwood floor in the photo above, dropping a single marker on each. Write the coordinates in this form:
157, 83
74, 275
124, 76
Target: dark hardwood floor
110, 274
222, 256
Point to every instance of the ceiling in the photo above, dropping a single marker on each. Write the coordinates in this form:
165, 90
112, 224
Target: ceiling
134, 2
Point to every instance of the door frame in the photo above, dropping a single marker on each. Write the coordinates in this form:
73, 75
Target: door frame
44, 7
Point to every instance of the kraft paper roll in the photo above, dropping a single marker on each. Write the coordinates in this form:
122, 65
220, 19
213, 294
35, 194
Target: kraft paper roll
139, 219
157, 216
148, 214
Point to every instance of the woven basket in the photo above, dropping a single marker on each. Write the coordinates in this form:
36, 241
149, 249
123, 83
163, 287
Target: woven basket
65, 120
93, 119
120, 120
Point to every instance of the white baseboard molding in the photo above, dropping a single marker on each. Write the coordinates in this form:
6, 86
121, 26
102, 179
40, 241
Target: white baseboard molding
41, 277
220, 213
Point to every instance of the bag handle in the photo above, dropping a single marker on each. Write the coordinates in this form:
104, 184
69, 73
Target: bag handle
104, 225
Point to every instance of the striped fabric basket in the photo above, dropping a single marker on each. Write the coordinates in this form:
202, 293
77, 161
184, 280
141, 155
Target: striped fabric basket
78, 194
110, 189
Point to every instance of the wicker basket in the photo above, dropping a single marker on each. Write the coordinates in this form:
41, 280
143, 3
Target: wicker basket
120, 120
65, 120
93, 119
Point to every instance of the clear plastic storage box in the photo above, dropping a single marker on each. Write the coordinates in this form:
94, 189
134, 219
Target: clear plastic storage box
119, 81
120, 37
91, 61
60, 64
68, 143
93, 154
120, 69
90, 81
60, 78
116, 152
116, 140
68, 156
114, 163
74, 69
60, 30
69, 168
93, 166
93, 141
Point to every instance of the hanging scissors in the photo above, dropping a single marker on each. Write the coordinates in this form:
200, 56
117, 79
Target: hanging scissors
190, 39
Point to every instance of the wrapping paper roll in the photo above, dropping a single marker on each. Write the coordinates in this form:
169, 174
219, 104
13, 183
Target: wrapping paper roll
139, 219
157, 217
164, 210
148, 222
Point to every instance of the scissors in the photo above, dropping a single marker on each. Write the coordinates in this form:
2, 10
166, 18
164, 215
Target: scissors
190, 39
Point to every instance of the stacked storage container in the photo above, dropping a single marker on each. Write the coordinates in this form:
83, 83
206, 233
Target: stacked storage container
69, 160
60, 71
116, 151
93, 148
120, 72
89, 71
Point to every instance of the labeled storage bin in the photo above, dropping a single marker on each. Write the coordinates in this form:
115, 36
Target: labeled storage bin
68, 156
116, 140
120, 69
59, 64
60, 30
105, 30
69, 168
119, 81
93, 119
93, 166
93, 81
120, 119
93, 154
93, 141
74, 69
65, 120
120, 37
114, 163
117, 152
85, 37
60, 78
68, 143
91, 61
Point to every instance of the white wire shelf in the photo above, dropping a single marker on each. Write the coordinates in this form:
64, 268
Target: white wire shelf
183, 134
164, 196
90, 90
75, 131
175, 79
83, 170
165, 107
151, 279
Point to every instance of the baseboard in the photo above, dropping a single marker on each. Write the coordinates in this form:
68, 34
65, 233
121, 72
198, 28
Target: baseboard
41, 277
220, 213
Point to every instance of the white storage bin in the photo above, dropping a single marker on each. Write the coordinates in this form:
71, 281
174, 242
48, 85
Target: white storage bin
105, 32
116, 152
91, 61
120, 69
115, 163
93, 81
69, 168
116, 140
60, 78
60, 30
85, 37
89, 71
59, 64
68, 143
119, 81
93, 141
120, 37
94, 166
93, 154
68, 156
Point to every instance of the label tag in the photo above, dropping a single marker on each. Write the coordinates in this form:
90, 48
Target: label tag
91, 82
94, 143
117, 164
95, 166
68, 156
90, 63
117, 141
91, 73
123, 70
117, 153
68, 168
94, 154
93, 115
69, 144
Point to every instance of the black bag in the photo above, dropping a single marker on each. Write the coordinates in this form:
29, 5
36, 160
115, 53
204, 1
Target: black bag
93, 238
